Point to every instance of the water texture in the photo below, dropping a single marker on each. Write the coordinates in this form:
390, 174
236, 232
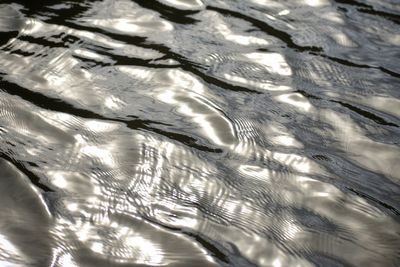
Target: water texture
200, 133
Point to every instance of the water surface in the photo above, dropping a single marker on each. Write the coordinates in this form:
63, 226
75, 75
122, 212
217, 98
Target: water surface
200, 133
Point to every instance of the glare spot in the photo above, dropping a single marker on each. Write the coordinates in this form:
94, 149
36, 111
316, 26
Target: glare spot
239, 39
284, 12
88, 54
97, 247
6, 245
59, 180
295, 99
276, 263
113, 103
72, 207
265, 85
316, 3
186, 4
99, 126
149, 253
273, 62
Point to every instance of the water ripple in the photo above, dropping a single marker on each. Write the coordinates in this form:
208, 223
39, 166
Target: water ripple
199, 133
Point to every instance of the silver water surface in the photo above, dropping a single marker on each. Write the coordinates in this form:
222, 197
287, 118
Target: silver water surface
200, 133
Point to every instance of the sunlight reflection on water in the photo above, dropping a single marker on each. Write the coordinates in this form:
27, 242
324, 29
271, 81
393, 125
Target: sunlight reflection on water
199, 133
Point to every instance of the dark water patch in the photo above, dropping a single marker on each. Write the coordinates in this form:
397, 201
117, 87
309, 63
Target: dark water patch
36, 181
368, 9
369, 198
60, 106
168, 12
281, 35
393, 17
366, 114
353, 3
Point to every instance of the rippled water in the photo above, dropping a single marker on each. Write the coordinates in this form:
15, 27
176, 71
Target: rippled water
200, 133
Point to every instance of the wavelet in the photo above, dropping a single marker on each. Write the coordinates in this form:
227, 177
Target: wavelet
199, 133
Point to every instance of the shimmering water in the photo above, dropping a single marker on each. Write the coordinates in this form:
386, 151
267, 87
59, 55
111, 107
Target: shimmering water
200, 133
